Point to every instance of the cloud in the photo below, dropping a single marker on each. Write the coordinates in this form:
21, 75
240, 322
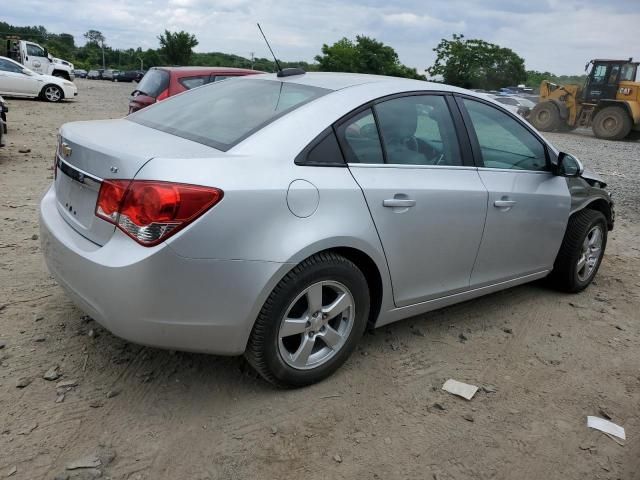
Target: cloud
554, 35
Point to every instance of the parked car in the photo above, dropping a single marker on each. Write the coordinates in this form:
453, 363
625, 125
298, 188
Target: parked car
271, 215
94, 75
128, 76
18, 81
518, 105
80, 73
163, 82
3, 120
109, 73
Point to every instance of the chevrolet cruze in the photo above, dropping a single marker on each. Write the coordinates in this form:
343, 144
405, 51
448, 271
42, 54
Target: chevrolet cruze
276, 216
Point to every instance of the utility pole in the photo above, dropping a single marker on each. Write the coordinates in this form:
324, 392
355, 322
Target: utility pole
103, 64
141, 63
252, 60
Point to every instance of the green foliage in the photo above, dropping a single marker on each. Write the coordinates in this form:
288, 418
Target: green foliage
534, 78
94, 37
475, 63
177, 47
365, 55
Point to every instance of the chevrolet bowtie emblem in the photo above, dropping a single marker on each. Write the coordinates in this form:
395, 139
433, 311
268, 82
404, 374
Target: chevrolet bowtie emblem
66, 149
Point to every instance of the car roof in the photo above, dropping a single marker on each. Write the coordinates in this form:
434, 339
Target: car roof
338, 81
197, 70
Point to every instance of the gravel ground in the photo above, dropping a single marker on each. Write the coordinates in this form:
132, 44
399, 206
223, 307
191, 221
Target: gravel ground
545, 361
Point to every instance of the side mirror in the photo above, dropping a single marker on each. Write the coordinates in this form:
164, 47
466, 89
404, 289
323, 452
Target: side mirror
569, 166
27, 72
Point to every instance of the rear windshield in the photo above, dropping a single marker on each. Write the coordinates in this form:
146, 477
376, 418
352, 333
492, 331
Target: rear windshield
222, 114
154, 83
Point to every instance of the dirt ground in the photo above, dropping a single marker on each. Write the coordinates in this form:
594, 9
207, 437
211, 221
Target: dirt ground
546, 360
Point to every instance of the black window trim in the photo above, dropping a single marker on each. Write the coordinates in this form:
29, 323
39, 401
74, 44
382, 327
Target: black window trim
464, 144
302, 159
475, 143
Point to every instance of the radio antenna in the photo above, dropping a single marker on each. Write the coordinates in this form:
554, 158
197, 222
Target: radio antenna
267, 42
286, 72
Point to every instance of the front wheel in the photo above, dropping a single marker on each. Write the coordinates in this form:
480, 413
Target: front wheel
52, 93
545, 117
311, 322
581, 251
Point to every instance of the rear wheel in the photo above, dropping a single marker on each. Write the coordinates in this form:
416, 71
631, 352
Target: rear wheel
545, 117
612, 123
581, 251
52, 93
311, 322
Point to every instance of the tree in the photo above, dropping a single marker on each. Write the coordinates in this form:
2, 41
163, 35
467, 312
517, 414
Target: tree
177, 47
95, 37
365, 55
475, 63
534, 78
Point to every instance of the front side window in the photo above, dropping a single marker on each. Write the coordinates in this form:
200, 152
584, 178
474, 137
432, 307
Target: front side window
360, 139
504, 142
613, 76
222, 114
418, 130
34, 50
599, 74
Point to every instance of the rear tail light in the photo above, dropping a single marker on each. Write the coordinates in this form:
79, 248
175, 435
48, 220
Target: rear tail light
151, 211
164, 94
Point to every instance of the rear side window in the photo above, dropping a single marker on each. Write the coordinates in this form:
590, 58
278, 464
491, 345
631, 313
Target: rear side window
504, 142
359, 136
154, 82
217, 78
418, 130
225, 113
193, 82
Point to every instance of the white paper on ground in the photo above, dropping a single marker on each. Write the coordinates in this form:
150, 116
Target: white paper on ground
463, 390
606, 426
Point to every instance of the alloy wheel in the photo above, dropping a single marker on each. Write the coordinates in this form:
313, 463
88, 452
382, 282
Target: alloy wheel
52, 94
590, 253
316, 325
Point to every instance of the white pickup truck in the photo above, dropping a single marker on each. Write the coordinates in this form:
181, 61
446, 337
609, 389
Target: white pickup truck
38, 59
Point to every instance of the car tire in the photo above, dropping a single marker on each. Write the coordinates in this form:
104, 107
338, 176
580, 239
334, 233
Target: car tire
545, 117
612, 123
52, 93
581, 251
287, 345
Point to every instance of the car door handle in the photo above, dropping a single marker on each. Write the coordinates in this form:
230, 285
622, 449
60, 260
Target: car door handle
398, 202
504, 203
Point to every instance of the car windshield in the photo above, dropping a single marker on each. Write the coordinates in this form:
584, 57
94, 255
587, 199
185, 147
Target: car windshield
222, 114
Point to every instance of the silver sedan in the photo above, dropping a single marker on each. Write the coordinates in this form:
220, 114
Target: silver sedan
277, 216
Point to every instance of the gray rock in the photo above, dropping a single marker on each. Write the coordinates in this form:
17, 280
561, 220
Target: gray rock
39, 338
60, 398
462, 337
12, 471
507, 330
52, 374
439, 406
67, 384
468, 418
488, 389
24, 150
96, 404
114, 393
34, 237
90, 461
337, 458
2, 344
88, 474
23, 382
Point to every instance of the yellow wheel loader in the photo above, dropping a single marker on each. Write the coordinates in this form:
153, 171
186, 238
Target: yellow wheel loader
609, 102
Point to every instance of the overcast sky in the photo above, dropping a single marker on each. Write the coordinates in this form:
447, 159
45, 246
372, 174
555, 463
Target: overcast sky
554, 35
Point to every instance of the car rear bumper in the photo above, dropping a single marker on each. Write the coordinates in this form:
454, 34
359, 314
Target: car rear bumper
153, 296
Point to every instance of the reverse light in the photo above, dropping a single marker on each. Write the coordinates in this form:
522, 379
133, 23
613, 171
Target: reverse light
151, 211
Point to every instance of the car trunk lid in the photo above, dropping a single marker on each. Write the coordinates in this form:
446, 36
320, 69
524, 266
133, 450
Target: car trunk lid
90, 152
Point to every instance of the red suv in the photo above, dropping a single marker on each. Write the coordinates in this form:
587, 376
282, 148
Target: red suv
162, 82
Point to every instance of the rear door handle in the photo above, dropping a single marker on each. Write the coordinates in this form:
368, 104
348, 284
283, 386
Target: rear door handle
504, 203
398, 202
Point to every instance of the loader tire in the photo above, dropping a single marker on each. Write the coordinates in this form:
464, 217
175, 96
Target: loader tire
612, 123
545, 117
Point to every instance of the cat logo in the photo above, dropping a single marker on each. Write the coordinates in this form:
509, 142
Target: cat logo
66, 149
